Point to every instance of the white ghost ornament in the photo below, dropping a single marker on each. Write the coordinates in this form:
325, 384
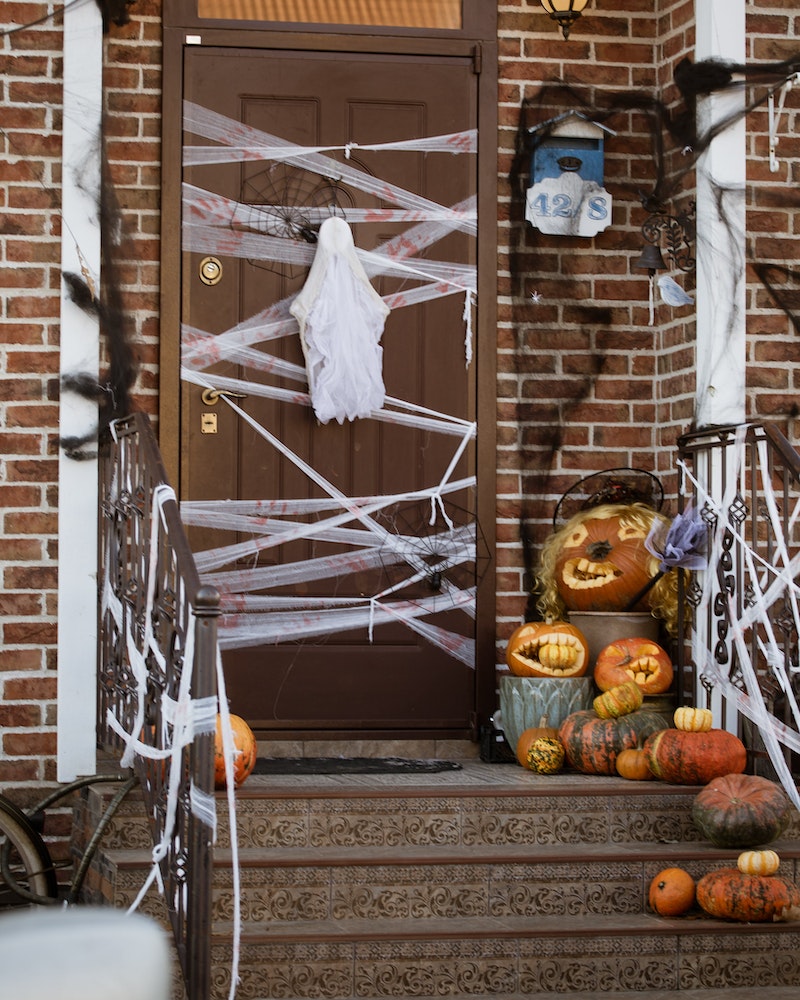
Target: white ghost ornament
341, 319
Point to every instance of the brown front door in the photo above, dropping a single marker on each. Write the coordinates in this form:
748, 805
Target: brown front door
347, 553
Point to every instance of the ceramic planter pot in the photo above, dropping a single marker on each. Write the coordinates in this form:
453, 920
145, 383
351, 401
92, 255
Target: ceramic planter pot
525, 700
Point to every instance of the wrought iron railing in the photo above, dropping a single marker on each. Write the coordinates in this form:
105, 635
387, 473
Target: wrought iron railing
741, 616
157, 671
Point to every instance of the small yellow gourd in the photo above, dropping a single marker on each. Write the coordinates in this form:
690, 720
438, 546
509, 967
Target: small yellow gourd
620, 700
693, 720
758, 862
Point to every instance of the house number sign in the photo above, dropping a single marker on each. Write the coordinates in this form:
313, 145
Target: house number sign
566, 196
568, 206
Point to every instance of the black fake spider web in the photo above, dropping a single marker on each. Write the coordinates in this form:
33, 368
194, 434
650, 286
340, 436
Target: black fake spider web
447, 558
287, 202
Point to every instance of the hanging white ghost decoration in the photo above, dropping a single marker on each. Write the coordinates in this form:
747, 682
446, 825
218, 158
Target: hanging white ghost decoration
341, 319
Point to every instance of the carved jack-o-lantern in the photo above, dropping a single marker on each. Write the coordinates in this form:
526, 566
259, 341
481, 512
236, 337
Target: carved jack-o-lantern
601, 562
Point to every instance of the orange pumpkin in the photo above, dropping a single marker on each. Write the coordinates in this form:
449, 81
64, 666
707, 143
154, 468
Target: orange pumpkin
682, 758
542, 731
602, 563
640, 660
542, 649
529, 736
734, 895
672, 892
632, 764
244, 754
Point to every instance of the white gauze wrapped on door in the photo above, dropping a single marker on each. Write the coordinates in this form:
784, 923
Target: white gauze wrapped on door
341, 319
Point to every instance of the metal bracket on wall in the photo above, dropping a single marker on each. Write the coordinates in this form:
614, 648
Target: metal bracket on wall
774, 118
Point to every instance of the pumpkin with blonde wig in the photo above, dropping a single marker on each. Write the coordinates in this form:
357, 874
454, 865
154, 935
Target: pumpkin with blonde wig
598, 562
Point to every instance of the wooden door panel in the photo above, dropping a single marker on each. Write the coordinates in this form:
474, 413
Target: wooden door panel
341, 681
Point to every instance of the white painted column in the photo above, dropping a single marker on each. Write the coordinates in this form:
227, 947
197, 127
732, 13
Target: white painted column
78, 489
721, 290
721, 175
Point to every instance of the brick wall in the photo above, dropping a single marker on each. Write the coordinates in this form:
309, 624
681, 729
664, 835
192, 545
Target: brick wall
30, 87
583, 376
29, 307
773, 230
584, 381
132, 82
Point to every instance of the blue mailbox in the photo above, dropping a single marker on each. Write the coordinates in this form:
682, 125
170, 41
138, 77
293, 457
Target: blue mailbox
566, 195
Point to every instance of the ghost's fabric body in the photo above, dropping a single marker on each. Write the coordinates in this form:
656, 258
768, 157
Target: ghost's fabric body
341, 319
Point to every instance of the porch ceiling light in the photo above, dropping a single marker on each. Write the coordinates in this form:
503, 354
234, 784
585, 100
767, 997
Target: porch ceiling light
566, 12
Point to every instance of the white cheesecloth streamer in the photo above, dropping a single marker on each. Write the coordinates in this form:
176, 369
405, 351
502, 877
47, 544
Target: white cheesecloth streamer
209, 226
780, 581
341, 319
212, 125
182, 718
264, 629
463, 142
203, 211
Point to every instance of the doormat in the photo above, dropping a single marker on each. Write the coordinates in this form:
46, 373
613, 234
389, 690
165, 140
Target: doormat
351, 765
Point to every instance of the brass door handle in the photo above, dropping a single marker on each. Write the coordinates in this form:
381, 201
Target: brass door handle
211, 396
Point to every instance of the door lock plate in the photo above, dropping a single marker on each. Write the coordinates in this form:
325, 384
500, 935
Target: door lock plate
208, 423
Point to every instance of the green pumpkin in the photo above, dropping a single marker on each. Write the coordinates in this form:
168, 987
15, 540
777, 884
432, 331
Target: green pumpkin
619, 700
741, 810
592, 744
545, 756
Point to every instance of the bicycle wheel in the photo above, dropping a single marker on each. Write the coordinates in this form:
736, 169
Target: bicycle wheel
25, 863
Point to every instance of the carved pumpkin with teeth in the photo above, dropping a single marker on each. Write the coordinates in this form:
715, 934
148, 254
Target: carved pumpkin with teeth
542, 649
633, 659
602, 563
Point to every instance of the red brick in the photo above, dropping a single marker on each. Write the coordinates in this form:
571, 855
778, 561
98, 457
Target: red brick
20, 716
20, 496
29, 470
30, 578
30, 744
20, 550
30, 689
30, 633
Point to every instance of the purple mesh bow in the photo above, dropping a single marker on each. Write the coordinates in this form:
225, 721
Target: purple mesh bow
682, 545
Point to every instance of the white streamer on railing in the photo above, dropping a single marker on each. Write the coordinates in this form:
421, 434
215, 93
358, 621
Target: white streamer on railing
182, 718
766, 582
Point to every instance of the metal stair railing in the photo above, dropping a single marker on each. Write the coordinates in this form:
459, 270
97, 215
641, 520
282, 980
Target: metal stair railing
157, 621
748, 475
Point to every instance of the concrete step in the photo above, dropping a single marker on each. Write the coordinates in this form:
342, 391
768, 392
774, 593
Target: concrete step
520, 957
289, 886
506, 806
487, 882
